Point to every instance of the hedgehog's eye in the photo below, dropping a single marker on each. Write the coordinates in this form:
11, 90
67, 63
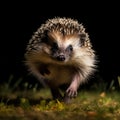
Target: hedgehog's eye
70, 48
54, 46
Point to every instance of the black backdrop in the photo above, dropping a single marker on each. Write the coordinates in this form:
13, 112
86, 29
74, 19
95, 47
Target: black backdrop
19, 22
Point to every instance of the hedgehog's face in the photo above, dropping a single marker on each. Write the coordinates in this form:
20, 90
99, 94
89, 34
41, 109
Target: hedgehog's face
61, 53
61, 47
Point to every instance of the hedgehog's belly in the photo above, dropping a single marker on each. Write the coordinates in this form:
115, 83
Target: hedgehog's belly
57, 74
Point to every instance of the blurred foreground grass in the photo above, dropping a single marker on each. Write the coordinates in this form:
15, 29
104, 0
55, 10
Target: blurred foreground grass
37, 104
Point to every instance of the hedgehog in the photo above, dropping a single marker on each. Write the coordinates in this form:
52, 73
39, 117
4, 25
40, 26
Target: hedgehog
60, 53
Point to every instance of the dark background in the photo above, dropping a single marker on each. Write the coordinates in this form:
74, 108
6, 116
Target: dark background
19, 21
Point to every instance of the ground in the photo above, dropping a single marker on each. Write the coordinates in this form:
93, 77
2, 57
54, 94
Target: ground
36, 104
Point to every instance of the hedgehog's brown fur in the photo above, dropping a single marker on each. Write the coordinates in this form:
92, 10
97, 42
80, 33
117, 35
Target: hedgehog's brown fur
80, 63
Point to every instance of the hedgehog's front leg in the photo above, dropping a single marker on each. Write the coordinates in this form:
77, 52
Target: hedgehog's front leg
56, 93
71, 92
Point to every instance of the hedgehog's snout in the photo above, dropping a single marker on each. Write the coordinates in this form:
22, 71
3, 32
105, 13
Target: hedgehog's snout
61, 58
59, 54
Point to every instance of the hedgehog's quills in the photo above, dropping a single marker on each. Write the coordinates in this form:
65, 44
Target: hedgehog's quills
60, 52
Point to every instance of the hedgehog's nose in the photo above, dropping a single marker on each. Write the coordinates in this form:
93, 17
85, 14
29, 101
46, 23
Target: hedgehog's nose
61, 58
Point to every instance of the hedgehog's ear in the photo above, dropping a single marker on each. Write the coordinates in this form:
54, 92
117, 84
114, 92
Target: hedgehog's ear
45, 38
83, 38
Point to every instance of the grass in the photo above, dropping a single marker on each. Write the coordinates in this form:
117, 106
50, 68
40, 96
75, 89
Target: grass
37, 104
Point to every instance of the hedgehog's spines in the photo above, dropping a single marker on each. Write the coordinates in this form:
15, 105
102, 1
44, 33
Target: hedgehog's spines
66, 26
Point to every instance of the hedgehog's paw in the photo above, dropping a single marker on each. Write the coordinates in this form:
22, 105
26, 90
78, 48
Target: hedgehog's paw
71, 92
